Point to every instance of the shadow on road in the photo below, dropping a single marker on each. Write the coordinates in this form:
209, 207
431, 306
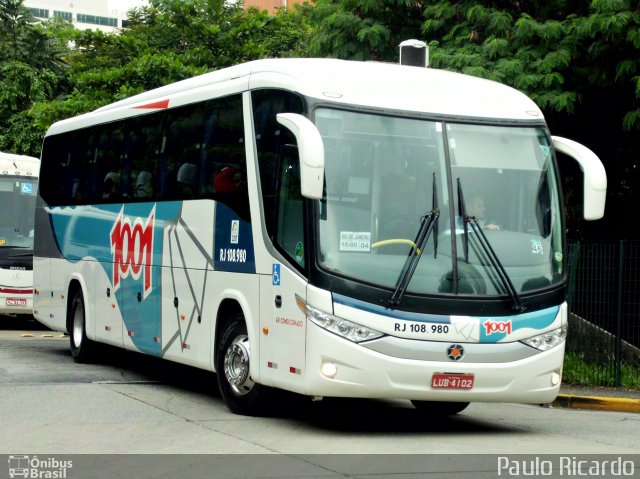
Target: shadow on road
22, 322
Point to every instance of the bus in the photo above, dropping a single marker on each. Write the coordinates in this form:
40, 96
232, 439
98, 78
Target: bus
304, 225
18, 186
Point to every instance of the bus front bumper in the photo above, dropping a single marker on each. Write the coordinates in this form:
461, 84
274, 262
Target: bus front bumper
363, 373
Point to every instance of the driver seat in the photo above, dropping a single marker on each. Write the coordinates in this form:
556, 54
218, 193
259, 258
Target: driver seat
398, 217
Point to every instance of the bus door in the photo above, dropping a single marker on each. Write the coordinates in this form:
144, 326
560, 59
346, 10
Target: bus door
283, 341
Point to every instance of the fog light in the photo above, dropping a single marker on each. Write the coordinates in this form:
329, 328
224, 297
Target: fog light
329, 370
555, 379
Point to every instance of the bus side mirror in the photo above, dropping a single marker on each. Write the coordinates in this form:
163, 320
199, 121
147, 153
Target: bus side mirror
310, 151
595, 176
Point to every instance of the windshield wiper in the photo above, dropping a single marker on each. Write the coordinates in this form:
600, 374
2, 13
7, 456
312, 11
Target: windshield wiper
488, 250
428, 223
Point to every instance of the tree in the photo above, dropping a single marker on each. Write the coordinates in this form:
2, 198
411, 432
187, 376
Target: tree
363, 29
32, 69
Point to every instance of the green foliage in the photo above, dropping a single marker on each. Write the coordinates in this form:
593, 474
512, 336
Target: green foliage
42, 80
579, 371
362, 30
32, 69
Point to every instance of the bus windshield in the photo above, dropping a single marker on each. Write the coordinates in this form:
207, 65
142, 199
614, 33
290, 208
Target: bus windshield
381, 173
17, 200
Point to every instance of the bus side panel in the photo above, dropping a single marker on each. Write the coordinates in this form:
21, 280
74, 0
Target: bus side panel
41, 280
108, 317
60, 271
187, 269
45, 251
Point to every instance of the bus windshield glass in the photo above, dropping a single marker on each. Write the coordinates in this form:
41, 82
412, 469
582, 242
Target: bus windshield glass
17, 197
380, 177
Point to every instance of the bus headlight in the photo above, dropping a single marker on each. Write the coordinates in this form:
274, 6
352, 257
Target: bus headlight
342, 327
548, 340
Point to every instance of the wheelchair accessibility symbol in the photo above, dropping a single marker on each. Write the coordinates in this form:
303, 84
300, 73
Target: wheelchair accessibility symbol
275, 275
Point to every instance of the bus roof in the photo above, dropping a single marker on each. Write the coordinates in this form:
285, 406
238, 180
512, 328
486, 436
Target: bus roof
385, 86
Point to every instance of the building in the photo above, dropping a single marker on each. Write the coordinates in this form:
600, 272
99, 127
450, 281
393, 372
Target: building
271, 5
106, 15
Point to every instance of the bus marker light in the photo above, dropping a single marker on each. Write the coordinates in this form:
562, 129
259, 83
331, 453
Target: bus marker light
107, 328
329, 370
265, 330
113, 305
272, 365
293, 370
130, 334
185, 346
182, 316
156, 339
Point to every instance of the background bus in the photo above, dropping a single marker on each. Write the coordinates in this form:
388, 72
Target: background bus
306, 224
18, 186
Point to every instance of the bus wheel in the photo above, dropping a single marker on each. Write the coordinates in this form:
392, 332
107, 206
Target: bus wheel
439, 407
81, 346
239, 392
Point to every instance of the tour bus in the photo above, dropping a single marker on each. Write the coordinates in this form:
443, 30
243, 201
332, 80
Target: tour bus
18, 185
309, 225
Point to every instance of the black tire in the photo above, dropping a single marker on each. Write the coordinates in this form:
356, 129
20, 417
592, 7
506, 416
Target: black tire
233, 360
439, 408
82, 348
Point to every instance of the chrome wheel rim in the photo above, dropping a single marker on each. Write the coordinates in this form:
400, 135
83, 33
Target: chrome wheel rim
78, 325
236, 366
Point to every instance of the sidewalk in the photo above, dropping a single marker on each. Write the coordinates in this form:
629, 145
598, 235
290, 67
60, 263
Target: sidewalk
598, 398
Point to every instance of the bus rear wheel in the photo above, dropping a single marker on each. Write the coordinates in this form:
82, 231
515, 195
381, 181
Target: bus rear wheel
439, 408
81, 346
233, 361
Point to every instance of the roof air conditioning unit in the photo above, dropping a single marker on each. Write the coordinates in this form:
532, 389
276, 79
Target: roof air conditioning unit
414, 53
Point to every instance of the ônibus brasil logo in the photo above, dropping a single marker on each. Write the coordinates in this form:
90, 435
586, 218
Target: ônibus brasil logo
132, 249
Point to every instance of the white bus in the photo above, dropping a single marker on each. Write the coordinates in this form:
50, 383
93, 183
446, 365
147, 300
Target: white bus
18, 186
304, 224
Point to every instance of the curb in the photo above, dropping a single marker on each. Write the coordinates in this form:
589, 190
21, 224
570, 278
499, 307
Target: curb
597, 403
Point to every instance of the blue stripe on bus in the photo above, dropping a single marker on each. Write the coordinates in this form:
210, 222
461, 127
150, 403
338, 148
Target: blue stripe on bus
391, 313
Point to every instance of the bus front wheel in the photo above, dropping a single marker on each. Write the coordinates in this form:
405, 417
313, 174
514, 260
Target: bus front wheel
233, 360
440, 408
81, 346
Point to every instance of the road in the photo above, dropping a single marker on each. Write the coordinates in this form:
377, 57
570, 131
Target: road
129, 403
